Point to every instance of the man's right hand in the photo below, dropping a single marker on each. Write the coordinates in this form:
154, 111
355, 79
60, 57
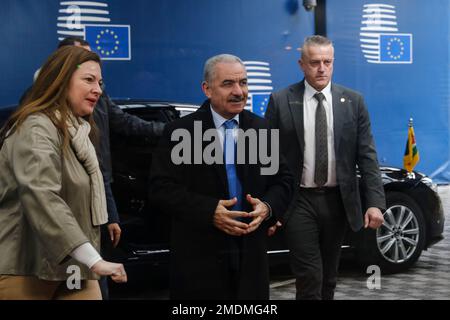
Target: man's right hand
271, 231
114, 233
225, 219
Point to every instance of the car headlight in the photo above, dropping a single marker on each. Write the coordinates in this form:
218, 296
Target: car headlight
434, 187
430, 184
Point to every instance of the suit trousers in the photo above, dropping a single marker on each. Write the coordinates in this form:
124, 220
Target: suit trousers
314, 232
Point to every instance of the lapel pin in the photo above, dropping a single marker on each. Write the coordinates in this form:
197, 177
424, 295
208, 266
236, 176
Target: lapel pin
342, 99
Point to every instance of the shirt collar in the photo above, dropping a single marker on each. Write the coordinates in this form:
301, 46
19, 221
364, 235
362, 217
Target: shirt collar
310, 91
219, 120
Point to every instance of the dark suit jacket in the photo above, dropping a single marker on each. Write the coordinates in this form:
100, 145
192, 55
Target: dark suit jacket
200, 252
353, 143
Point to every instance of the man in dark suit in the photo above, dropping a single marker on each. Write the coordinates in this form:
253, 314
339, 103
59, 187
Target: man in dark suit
325, 135
220, 212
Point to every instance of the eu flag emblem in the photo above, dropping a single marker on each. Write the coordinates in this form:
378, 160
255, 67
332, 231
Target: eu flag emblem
396, 48
110, 42
259, 103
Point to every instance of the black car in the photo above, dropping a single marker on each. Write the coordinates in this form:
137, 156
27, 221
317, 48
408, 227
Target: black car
414, 219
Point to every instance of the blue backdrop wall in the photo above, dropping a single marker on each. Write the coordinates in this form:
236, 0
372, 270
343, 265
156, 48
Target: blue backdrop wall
170, 41
405, 75
398, 90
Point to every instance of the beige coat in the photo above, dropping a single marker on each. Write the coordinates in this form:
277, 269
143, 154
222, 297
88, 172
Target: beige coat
44, 204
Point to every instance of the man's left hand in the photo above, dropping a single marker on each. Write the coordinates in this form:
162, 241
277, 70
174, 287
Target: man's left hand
373, 218
259, 214
114, 233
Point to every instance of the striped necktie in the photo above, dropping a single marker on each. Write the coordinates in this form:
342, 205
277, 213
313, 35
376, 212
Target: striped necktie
321, 156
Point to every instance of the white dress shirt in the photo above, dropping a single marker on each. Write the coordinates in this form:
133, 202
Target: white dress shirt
219, 121
309, 122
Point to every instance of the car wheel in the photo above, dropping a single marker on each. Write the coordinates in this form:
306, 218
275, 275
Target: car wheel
398, 243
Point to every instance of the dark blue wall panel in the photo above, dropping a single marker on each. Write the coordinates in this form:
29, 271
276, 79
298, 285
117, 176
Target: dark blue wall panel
170, 42
396, 92
171, 39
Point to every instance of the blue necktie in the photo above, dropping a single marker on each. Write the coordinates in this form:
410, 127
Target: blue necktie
234, 185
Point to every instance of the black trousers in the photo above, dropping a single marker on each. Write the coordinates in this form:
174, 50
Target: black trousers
314, 232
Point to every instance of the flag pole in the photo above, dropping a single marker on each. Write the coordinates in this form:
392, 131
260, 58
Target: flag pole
411, 174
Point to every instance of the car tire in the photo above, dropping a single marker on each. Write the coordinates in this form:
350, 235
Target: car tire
396, 245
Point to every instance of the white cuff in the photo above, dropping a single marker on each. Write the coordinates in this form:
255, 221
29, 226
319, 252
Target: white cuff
86, 254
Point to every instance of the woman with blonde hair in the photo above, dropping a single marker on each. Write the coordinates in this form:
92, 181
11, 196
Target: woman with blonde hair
52, 199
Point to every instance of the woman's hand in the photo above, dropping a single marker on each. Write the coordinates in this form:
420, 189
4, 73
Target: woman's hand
115, 270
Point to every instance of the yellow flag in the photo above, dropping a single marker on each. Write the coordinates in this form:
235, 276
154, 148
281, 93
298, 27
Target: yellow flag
411, 156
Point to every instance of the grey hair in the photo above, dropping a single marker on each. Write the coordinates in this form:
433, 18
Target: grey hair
315, 40
210, 64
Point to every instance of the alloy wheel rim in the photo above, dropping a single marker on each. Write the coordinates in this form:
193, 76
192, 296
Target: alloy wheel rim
398, 237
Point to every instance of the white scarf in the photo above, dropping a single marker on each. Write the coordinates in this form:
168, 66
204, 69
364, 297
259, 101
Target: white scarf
84, 150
